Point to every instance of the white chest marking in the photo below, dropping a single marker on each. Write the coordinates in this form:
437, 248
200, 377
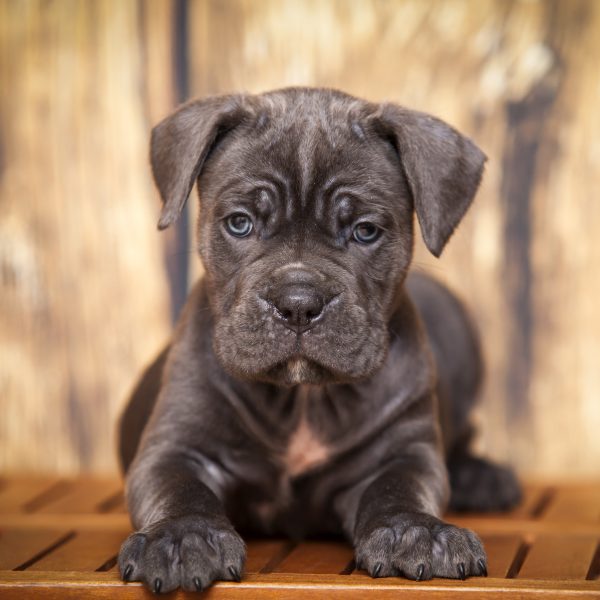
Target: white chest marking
304, 451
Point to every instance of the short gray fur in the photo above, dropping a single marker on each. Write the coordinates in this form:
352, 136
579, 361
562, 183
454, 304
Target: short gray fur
353, 362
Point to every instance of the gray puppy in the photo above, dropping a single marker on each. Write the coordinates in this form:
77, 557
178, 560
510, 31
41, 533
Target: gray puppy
299, 394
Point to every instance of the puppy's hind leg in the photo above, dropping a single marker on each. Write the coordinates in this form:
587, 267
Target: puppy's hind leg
478, 484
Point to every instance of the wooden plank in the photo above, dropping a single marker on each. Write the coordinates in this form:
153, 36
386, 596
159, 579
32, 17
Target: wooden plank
559, 557
580, 503
556, 554
282, 586
60, 520
85, 551
84, 495
500, 550
317, 557
18, 491
536, 498
489, 525
114, 503
260, 553
484, 526
18, 545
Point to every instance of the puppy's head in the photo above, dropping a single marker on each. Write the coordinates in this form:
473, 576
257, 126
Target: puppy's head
307, 201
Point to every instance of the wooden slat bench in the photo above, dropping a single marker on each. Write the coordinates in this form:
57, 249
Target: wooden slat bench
60, 538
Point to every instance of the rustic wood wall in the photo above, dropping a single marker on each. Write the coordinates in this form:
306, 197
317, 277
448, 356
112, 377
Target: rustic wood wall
85, 296
88, 286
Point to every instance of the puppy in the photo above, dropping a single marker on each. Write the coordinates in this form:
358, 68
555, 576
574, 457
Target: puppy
299, 394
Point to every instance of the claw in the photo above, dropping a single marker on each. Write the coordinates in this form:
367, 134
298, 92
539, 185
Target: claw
127, 572
461, 571
157, 585
197, 584
420, 572
235, 575
482, 567
377, 569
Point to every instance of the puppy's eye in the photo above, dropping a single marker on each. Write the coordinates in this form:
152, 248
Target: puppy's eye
366, 233
238, 225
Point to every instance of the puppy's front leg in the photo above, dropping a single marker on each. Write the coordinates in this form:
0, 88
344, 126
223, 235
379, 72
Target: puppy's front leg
397, 529
183, 538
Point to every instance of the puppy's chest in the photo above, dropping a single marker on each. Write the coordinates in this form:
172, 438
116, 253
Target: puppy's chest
304, 460
278, 507
304, 451
295, 456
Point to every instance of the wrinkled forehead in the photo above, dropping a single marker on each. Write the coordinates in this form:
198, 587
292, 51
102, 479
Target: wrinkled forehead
311, 158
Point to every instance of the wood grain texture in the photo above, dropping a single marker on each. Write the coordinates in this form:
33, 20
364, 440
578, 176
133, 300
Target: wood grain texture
85, 551
260, 554
72, 554
86, 283
17, 546
17, 493
500, 550
316, 557
564, 557
52, 585
84, 298
84, 496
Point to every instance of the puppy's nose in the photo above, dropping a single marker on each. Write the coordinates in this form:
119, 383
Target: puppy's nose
299, 306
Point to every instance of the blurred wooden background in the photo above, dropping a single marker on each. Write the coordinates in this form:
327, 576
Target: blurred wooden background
89, 286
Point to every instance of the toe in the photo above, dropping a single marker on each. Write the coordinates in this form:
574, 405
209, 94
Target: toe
130, 556
412, 556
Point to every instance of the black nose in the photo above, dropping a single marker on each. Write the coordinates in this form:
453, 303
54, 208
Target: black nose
299, 305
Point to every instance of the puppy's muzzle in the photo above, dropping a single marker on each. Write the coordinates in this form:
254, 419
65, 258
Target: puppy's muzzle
298, 306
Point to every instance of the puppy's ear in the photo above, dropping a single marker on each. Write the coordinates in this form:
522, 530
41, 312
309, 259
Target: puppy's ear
180, 144
443, 169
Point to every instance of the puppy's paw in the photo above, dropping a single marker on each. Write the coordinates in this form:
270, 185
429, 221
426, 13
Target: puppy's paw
480, 485
419, 547
189, 552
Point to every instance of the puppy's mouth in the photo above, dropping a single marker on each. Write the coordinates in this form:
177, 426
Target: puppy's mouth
345, 346
300, 370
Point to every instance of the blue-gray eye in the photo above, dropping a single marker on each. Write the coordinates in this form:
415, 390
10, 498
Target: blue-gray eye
366, 233
239, 225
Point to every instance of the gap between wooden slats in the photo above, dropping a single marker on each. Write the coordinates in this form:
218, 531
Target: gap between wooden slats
17, 546
533, 499
317, 557
594, 570
17, 492
577, 502
114, 503
559, 557
501, 550
80, 496
264, 555
84, 551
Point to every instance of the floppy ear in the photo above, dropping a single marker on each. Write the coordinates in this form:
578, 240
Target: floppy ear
180, 144
443, 169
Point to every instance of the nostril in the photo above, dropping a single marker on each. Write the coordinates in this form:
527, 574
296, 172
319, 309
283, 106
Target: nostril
286, 314
313, 313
